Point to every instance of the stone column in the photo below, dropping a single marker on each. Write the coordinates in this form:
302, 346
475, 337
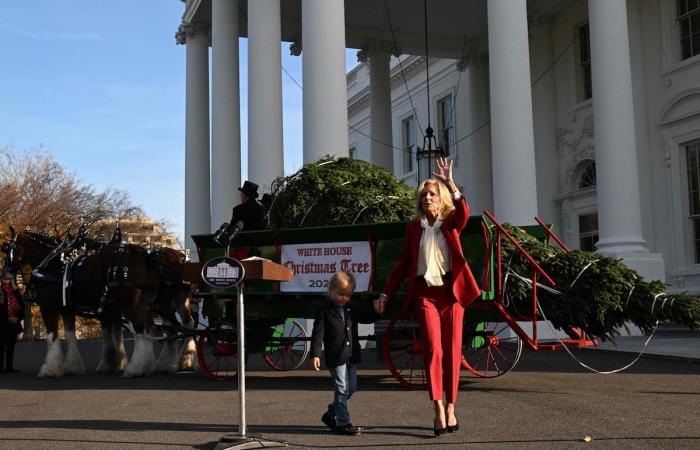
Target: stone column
544, 118
619, 208
513, 148
325, 103
477, 148
380, 109
265, 146
197, 213
226, 115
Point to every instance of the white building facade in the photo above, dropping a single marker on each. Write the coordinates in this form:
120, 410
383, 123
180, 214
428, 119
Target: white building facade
584, 113
616, 127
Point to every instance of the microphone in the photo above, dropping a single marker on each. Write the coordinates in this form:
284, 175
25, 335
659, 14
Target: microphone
237, 227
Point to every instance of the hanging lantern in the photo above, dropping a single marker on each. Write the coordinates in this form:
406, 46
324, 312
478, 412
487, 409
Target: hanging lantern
426, 155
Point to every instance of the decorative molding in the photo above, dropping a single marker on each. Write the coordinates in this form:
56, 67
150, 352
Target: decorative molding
188, 29
685, 96
295, 48
409, 65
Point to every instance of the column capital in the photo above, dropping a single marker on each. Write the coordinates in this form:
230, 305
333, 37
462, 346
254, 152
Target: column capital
295, 48
188, 29
470, 56
377, 46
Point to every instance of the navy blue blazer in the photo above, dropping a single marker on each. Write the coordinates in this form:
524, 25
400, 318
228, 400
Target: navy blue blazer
338, 336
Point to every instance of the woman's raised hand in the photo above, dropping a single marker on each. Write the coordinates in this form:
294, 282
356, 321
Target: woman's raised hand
444, 170
444, 173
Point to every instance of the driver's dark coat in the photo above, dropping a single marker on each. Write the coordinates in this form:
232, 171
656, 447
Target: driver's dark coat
251, 213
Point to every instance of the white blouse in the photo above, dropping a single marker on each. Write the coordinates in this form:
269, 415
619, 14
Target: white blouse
434, 256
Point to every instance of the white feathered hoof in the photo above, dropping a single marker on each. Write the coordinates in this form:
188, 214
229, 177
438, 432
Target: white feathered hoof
143, 359
168, 360
74, 363
53, 363
188, 360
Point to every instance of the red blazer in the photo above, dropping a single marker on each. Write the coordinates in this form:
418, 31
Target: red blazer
464, 286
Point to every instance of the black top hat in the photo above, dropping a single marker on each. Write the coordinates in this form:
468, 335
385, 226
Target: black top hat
250, 189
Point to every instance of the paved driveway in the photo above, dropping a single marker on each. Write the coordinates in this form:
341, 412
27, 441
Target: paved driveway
547, 402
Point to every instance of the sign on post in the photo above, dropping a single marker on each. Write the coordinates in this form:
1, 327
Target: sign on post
223, 272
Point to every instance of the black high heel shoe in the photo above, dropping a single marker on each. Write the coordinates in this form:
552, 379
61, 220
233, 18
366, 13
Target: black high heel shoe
439, 431
452, 428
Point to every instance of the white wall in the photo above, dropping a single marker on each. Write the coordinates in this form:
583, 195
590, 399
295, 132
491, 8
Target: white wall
667, 115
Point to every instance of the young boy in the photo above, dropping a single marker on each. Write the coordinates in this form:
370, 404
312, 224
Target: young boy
337, 331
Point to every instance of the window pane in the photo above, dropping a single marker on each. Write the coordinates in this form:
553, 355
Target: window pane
588, 177
681, 7
695, 45
588, 223
684, 27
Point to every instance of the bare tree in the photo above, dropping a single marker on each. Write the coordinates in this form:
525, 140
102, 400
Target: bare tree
36, 191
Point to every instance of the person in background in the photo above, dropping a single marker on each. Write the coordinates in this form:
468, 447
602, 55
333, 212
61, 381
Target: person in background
11, 315
250, 212
440, 285
335, 329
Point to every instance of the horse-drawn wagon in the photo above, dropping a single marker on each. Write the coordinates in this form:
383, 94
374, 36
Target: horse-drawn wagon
493, 338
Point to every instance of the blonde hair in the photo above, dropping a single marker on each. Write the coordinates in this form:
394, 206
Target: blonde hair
341, 278
445, 198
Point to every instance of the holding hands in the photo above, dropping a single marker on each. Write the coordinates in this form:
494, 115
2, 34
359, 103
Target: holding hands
379, 303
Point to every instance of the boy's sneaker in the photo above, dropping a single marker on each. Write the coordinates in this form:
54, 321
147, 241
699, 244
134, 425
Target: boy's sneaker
330, 421
349, 429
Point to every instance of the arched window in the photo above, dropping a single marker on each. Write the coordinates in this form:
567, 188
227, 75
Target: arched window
587, 178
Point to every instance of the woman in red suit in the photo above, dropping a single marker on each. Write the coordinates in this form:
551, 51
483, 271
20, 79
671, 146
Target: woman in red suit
440, 285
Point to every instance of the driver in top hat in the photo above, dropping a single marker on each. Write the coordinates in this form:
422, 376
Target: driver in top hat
250, 212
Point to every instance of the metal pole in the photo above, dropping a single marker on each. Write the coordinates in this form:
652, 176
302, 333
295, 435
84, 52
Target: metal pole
241, 364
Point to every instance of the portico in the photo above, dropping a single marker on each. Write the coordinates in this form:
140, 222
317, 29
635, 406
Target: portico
490, 39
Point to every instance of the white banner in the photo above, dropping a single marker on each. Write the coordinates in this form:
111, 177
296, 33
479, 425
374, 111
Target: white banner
315, 264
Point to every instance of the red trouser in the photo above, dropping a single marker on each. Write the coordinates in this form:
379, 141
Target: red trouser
440, 318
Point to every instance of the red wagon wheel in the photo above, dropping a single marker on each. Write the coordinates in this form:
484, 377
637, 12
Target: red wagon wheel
217, 352
404, 352
288, 347
490, 349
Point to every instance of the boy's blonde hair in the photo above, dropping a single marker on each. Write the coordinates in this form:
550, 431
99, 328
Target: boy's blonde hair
342, 278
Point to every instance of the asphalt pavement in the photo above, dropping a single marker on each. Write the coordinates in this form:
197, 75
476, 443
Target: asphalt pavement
547, 402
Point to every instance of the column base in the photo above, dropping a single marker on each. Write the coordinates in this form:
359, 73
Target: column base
649, 265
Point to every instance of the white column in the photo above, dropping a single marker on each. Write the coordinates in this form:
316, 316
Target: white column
477, 148
265, 147
197, 219
323, 68
619, 211
513, 148
544, 118
226, 116
380, 110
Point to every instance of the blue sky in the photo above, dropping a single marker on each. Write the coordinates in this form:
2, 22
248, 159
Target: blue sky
100, 85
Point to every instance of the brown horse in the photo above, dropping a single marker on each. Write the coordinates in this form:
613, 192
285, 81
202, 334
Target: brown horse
171, 300
44, 254
110, 281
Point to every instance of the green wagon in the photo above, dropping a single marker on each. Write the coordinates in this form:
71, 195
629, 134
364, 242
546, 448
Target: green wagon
492, 342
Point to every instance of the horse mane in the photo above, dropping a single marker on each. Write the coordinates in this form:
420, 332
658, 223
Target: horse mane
42, 237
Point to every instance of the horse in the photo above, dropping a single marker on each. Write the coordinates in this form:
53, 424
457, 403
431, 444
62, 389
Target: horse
106, 281
172, 298
44, 253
